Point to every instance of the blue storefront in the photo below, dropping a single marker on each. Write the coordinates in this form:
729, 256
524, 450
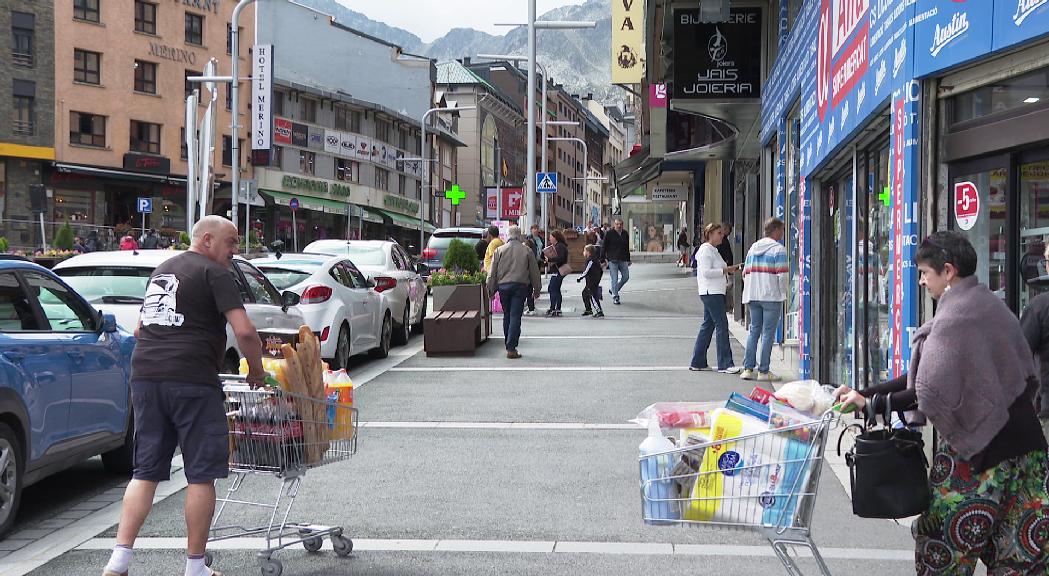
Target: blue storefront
878, 116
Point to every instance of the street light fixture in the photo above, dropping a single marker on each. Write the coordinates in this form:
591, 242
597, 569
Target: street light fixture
426, 166
586, 163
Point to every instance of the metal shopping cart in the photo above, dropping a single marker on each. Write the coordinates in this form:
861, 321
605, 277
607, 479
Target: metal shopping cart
764, 482
273, 432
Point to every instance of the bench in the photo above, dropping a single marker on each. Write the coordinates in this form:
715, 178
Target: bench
452, 332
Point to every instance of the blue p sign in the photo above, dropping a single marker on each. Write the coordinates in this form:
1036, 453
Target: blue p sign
145, 205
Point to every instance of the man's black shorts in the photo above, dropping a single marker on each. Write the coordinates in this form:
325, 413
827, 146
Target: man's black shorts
188, 415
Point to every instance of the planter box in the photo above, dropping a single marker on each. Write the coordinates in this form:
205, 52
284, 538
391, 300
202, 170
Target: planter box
464, 298
452, 333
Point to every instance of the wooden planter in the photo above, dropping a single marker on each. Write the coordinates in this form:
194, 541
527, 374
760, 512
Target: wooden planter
459, 298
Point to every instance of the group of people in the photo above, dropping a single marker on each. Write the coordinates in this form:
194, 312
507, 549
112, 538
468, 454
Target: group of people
149, 240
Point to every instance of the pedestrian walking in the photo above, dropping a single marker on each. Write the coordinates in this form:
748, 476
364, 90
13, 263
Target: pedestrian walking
683, 248
514, 276
92, 244
150, 240
764, 291
725, 249
712, 276
176, 393
481, 247
592, 274
973, 378
530, 301
556, 253
128, 243
617, 253
1035, 325
494, 242
537, 240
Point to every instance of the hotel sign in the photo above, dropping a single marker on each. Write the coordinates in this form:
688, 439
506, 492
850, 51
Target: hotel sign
172, 53
205, 5
261, 96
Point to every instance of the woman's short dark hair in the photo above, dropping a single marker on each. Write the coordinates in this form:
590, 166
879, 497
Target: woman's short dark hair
946, 246
559, 236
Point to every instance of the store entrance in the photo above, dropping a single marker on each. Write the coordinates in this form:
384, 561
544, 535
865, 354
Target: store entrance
1001, 204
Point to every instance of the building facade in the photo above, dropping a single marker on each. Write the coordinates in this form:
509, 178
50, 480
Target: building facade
121, 83
27, 96
941, 125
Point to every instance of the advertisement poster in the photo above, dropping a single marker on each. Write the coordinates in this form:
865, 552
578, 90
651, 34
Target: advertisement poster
717, 60
628, 41
511, 204
281, 131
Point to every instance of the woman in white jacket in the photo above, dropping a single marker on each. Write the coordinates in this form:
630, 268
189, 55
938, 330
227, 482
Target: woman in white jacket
712, 276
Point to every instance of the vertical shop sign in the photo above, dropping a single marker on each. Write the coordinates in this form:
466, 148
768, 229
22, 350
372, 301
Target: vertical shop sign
628, 38
805, 270
261, 96
896, 364
781, 169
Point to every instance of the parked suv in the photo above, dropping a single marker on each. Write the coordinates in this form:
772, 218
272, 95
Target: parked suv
433, 254
64, 372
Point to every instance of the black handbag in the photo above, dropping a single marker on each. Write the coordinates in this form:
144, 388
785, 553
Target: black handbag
888, 470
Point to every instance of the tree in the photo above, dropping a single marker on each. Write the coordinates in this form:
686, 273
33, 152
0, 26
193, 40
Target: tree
64, 237
461, 257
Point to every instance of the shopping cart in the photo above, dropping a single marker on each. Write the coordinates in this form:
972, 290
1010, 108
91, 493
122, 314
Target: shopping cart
279, 434
764, 482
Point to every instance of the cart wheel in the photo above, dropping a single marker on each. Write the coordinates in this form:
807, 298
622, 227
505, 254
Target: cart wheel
342, 545
208, 559
313, 544
270, 566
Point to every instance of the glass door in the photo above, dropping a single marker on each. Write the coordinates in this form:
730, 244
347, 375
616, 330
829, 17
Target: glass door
985, 220
837, 283
873, 268
1033, 191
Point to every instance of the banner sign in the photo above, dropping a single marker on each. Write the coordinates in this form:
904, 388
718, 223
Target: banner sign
628, 41
1016, 21
261, 96
948, 32
717, 60
511, 203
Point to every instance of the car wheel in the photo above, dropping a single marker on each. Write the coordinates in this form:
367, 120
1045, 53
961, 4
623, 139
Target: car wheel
383, 349
11, 468
404, 329
342, 349
122, 460
418, 327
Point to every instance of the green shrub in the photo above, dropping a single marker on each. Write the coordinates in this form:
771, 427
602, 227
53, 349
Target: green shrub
461, 257
3, 244
64, 237
445, 278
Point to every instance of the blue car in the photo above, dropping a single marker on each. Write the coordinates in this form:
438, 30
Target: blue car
64, 373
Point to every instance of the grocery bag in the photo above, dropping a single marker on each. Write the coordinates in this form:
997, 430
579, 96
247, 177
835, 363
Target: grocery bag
497, 304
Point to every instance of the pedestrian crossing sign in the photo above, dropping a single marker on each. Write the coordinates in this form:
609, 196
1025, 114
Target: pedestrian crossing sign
546, 182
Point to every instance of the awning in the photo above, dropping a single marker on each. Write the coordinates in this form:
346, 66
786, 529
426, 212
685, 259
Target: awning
401, 220
637, 171
118, 174
311, 203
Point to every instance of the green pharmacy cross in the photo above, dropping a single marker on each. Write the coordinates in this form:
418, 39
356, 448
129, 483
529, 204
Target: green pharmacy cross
455, 194
885, 196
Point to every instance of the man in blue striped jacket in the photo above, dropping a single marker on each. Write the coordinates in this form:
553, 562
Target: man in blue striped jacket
765, 273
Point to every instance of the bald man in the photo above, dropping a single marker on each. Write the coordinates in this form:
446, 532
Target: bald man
175, 388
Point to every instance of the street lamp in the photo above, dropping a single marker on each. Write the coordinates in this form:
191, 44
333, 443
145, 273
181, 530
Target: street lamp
586, 163
587, 179
426, 167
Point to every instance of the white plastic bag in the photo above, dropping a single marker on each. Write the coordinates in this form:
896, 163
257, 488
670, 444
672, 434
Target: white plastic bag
679, 415
807, 396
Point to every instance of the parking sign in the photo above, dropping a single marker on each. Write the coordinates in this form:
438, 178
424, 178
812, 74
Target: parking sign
145, 205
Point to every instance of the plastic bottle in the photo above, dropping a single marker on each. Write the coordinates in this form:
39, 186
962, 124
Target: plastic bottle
658, 495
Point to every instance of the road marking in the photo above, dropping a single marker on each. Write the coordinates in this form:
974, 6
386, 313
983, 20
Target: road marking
374, 369
501, 425
528, 547
612, 337
542, 369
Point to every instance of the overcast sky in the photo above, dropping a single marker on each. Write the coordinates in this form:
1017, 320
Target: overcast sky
430, 20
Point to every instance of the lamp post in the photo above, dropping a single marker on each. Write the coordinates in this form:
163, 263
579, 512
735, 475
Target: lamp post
426, 168
586, 163
235, 107
587, 179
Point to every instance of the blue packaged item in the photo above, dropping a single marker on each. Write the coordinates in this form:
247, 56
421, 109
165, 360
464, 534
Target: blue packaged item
658, 491
784, 482
744, 405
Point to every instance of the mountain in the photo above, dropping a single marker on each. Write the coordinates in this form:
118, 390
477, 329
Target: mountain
579, 59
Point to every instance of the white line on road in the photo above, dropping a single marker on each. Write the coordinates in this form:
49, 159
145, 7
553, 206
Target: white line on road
612, 337
528, 546
541, 369
501, 425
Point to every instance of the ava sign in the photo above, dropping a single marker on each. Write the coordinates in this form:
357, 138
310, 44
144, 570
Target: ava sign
966, 205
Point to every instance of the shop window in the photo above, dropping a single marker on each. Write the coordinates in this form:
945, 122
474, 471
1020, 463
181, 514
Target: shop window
145, 77
145, 17
145, 137
347, 170
309, 110
382, 179
23, 121
87, 67
86, 10
194, 29
87, 129
307, 162
1002, 96
22, 39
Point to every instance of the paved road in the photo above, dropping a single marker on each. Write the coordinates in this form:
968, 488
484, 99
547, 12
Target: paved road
485, 465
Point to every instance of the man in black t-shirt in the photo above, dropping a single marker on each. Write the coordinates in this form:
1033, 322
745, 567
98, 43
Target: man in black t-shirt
175, 388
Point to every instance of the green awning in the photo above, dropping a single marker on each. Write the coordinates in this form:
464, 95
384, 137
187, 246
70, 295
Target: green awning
401, 220
313, 203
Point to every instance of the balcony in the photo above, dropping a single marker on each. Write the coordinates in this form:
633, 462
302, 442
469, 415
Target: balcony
22, 60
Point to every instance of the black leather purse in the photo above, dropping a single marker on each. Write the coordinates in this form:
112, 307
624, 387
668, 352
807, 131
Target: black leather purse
888, 470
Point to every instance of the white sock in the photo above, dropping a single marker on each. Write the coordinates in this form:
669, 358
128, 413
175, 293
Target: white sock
120, 559
196, 567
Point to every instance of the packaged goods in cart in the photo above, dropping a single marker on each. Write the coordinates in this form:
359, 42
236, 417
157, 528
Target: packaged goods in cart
660, 507
806, 395
339, 390
742, 480
690, 461
783, 416
744, 405
760, 395
678, 415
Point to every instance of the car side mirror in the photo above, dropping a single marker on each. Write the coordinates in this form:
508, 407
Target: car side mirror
422, 269
108, 323
288, 299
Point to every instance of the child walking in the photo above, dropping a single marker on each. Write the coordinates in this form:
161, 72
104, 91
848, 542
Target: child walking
592, 275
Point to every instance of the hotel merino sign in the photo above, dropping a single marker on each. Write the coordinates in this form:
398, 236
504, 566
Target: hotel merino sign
172, 53
261, 96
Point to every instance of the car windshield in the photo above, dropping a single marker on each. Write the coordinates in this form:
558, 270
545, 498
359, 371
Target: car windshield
289, 273
360, 255
108, 284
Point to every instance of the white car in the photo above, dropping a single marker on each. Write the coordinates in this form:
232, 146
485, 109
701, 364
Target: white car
115, 283
377, 258
350, 313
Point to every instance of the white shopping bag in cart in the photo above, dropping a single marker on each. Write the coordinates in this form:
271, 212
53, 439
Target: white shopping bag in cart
745, 481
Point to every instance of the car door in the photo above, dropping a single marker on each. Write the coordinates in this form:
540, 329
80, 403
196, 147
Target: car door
353, 304
264, 309
414, 285
98, 399
370, 316
399, 297
34, 364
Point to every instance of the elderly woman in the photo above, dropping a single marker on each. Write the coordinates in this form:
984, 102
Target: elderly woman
712, 274
972, 376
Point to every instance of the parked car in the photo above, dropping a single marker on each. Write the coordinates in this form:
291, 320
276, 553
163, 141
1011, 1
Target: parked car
349, 313
433, 254
379, 259
115, 282
64, 382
